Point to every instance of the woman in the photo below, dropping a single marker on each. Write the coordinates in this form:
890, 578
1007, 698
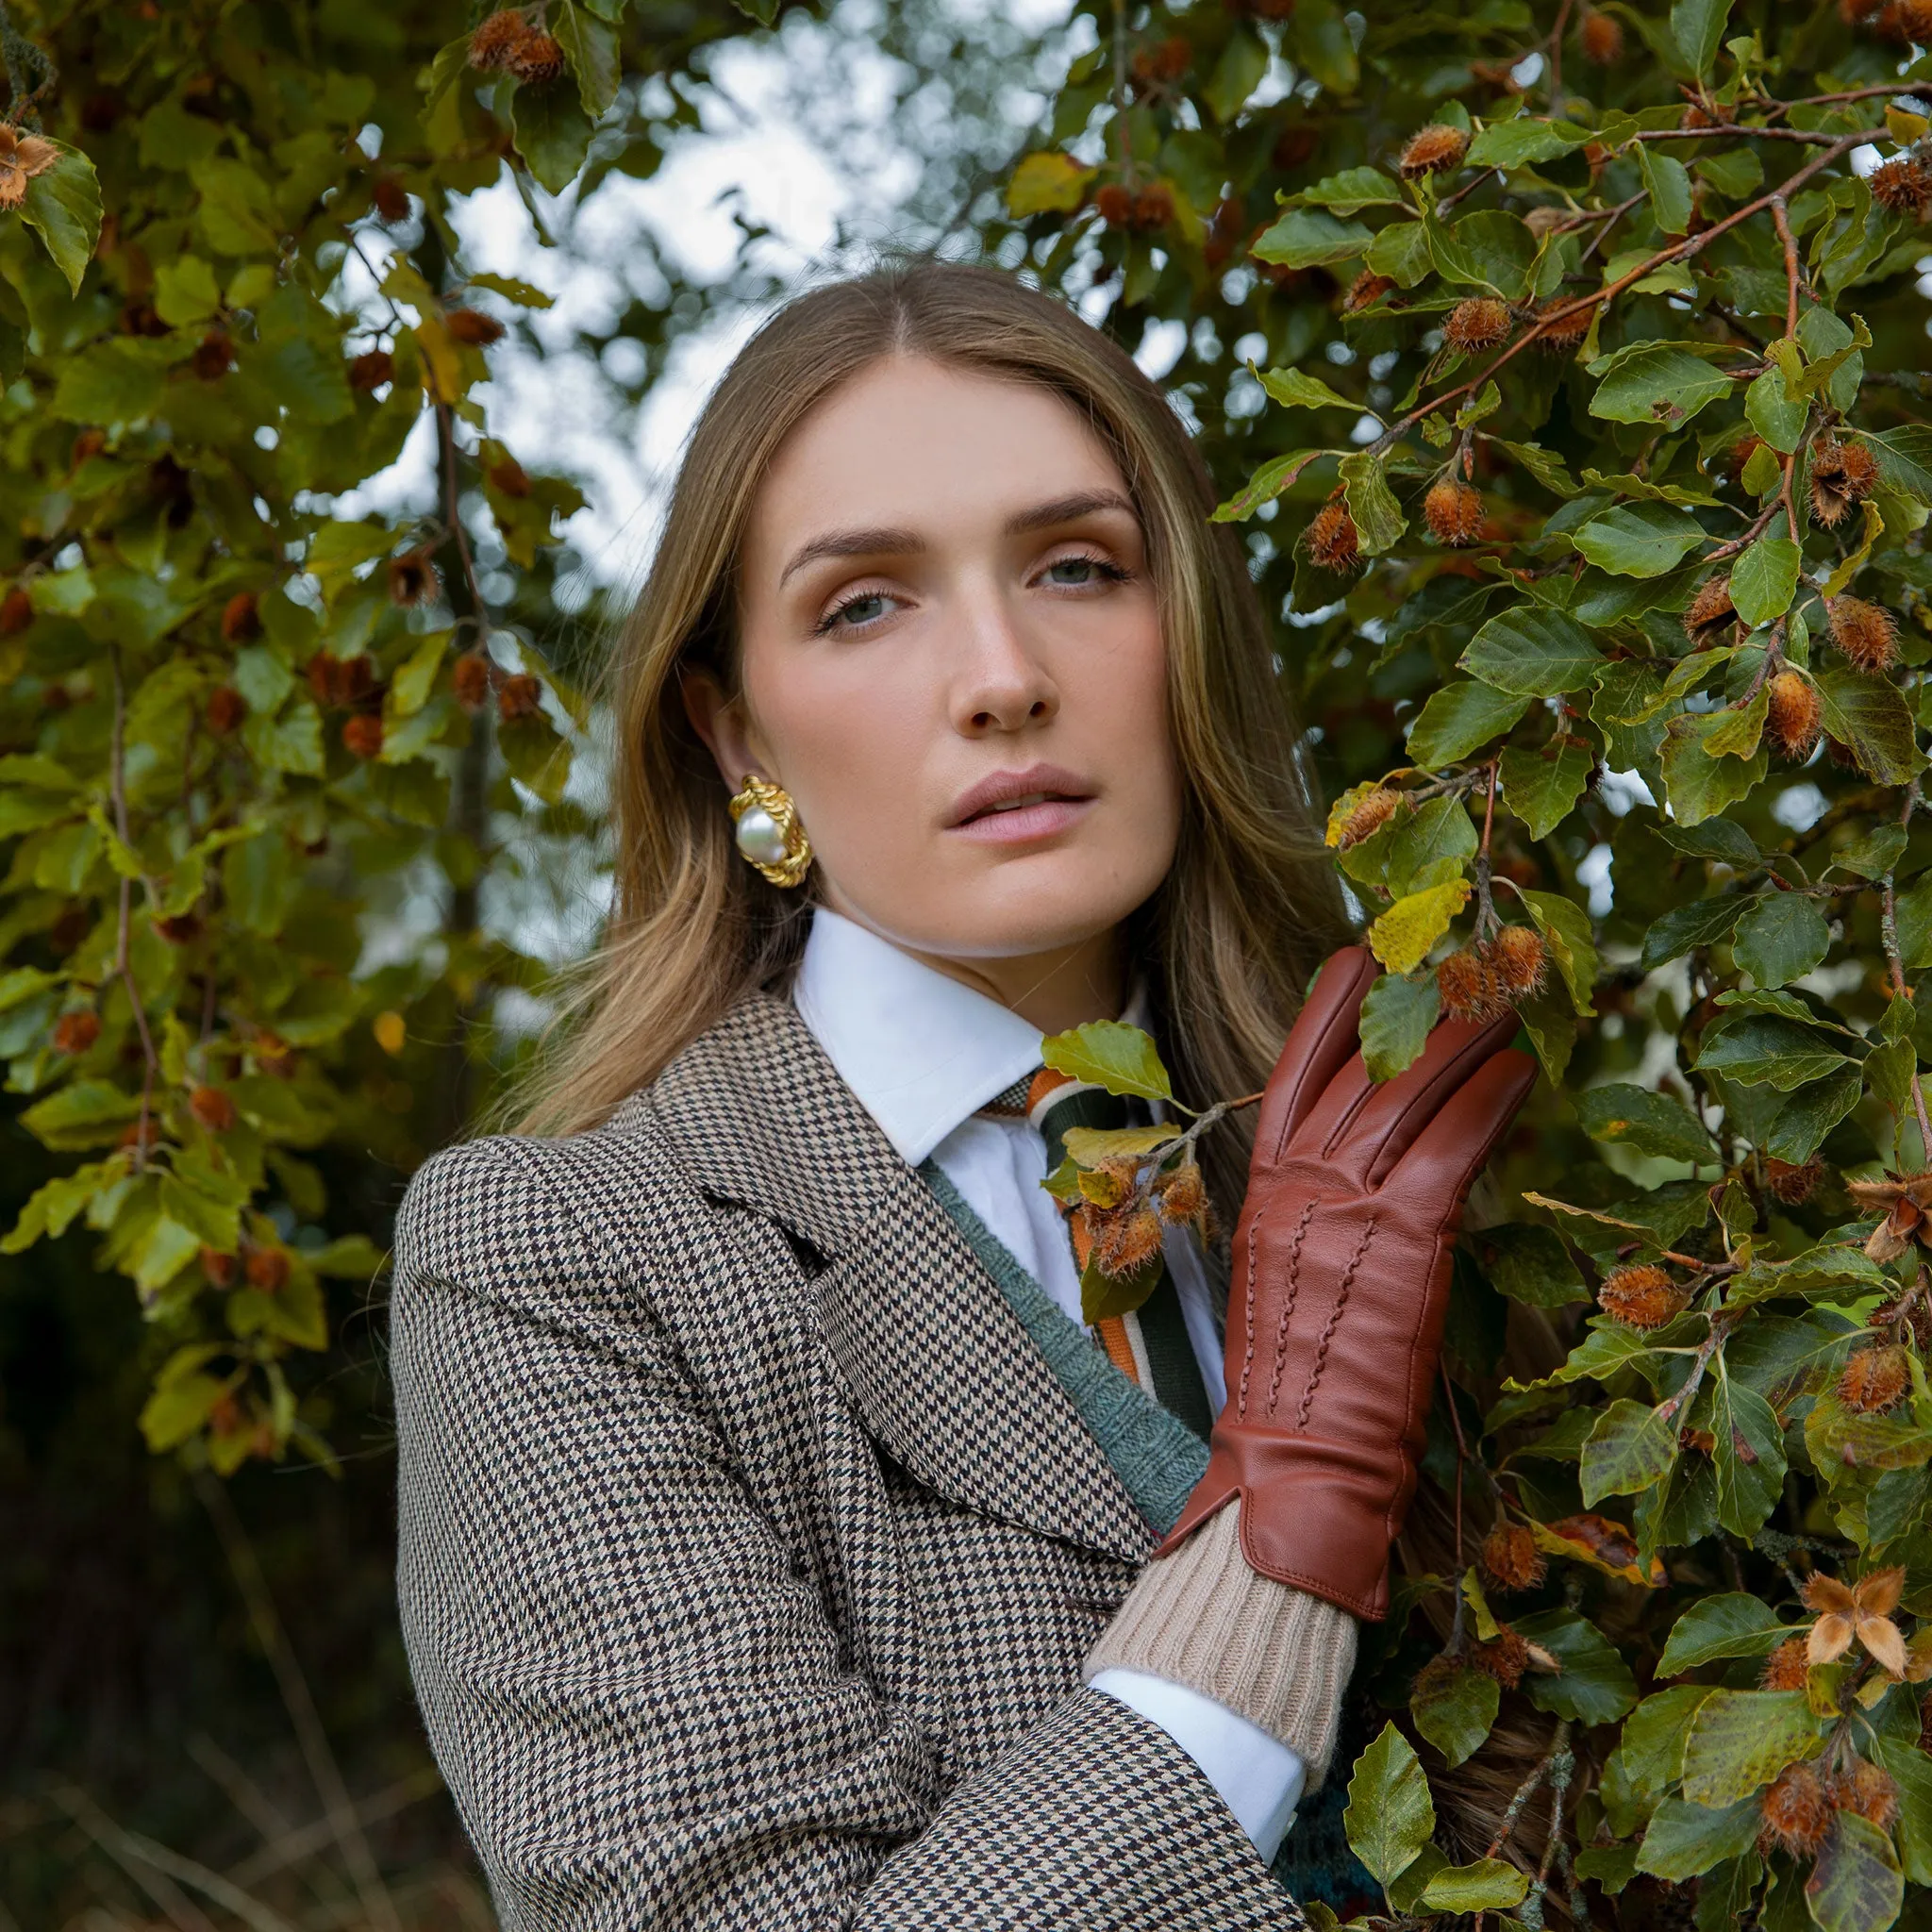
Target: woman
775, 1537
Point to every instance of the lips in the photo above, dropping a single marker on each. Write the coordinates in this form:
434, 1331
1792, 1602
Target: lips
1023, 797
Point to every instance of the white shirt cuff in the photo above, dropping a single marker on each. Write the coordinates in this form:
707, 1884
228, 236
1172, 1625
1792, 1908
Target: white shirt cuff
1258, 1777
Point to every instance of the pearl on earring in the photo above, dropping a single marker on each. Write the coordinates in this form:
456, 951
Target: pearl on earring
768, 834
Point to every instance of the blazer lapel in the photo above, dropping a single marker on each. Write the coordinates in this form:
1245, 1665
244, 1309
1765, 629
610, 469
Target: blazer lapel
934, 1361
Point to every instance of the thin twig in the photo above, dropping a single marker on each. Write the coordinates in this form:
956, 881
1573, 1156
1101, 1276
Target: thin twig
124, 965
1556, 57
1781, 215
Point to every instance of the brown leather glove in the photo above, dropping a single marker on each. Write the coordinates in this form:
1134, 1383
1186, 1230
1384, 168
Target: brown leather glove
1341, 1263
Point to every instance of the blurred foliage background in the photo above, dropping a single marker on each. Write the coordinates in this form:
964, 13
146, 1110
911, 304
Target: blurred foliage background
339, 343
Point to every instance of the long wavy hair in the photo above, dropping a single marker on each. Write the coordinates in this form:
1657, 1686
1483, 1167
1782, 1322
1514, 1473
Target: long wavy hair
1249, 907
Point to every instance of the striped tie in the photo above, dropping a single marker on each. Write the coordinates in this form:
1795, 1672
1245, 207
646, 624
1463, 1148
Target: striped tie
1149, 1344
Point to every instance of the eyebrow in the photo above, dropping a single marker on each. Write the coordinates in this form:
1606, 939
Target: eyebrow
885, 538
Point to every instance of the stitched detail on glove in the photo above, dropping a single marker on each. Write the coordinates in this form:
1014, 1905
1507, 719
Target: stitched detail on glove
1355, 1260
1295, 1289
1248, 1359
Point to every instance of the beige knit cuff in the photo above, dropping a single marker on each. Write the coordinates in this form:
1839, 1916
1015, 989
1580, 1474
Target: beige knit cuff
1272, 1653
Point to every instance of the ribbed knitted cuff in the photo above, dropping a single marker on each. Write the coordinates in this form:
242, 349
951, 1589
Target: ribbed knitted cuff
1272, 1653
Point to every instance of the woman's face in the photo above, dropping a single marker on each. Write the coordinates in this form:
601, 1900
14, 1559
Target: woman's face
952, 658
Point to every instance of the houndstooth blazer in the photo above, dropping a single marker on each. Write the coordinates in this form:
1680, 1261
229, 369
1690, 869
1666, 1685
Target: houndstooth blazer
749, 1549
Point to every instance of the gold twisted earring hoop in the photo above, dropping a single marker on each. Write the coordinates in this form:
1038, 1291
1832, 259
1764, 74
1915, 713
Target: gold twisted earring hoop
769, 835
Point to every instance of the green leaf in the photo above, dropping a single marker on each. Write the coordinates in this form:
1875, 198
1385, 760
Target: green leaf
1294, 391
1522, 142
1642, 540
1265, 485
1567, 932
1761, 1049
1740, 1740
1309, 238
1655, 382
1855, 1886
1911, 1769
1429, 847
1487, 1885
1105, 1053
1395, 1021
63, 207
1529, 1263
1651, 1123
1781, 936
1905, 459
1870, 714
1632, 1447
1733, 1624
1459, 718
1768, 408
1401, 252
1542, 785
1698, 28
1350, 190
88, 1113
1764, 579
1379, 518
1389, 1817
1533, 651
1318, 37
1698, 923
1239, 72
1402, 937
1455, 1709
1667, 181
591, 48
1702, 782
1595, 1685
1810, 1115
1683, 1839
553, 133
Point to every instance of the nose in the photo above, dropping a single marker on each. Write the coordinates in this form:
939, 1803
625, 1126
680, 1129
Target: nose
1001, 682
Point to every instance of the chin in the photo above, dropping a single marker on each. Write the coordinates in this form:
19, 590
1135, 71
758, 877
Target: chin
1006, 918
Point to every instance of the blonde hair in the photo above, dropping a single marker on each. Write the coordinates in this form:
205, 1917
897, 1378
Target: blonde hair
1249, 907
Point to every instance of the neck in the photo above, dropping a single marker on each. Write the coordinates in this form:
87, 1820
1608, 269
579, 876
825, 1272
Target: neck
1061, 988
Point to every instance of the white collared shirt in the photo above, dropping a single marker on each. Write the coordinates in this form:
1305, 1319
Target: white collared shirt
922, 1054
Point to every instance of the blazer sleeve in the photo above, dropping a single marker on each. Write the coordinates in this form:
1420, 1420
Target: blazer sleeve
637, 1700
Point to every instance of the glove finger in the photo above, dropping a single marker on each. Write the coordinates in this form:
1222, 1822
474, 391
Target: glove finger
1368, 1140
1319, 1041
1452, 1150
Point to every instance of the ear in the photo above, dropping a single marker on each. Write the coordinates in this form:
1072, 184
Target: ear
721, 721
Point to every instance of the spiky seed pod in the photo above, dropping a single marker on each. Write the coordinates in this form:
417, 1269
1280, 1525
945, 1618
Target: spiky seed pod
509, 476
1876, 1380
1372, 811
1906, 23
471, 325
1114, 202
1183, 1196
1857, 12
1902, 185
1712, 615
1154, 207
538, 57
1123, 1237
240, 619
214, 356
1516, 956
226, 707
1564, 332
267, 1269
1467, 985
519, 697
1505, 1658
496, 38
1366, 289
471, 680
1842, 473
77, 1031
1334, 543
217, 1269
1792, 1184
1511, 1557
212, 1108
1602, 39
179, 930
1433, 150
391, 199
1863, 1787
1797, 1809
370, 370
1790, 719
1479, 323
363, 735
1785, 1668
411, 578
1866, 633
1453, 511
356, 677
1642, 1296
16, 611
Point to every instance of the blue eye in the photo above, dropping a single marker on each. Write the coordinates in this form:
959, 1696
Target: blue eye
854, 612
1086, 571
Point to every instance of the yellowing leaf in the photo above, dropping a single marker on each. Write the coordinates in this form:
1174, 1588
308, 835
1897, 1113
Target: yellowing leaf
1050, 183
1402, 937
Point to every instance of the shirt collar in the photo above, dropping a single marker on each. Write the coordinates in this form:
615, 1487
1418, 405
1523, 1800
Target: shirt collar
920, 1051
